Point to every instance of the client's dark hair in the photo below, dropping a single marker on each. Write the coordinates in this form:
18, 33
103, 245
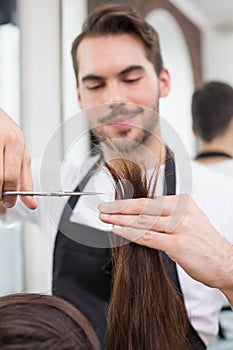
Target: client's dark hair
146, 311
43, 322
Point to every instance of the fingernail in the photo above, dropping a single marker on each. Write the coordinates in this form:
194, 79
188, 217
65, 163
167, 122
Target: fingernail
105, 215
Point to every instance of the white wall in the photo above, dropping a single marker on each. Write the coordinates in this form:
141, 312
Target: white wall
40, 71
73, 15
176, 107
10, 70
48, 97
11, 236
218, 55
41, 106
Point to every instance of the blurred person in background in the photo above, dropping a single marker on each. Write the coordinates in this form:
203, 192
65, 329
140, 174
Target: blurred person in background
212, 115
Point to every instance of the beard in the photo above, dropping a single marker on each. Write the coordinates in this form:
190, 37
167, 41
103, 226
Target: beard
129, 139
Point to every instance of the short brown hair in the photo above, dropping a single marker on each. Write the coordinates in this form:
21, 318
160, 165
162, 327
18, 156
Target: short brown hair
120, 19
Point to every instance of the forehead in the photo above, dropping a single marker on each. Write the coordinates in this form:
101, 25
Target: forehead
97, 54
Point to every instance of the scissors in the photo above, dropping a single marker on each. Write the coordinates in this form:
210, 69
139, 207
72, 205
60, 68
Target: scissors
50, 194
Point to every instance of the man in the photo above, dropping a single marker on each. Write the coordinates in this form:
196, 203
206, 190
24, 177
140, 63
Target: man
212, 113
119, 70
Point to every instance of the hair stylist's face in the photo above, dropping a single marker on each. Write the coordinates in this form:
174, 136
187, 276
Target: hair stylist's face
114, 69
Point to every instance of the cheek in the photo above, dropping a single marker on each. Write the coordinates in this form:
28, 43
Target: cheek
147, 97
92, 118
92, 100
147, 94
86, 99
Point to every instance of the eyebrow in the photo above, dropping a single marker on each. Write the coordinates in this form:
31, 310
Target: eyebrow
123, 72
131, 69
92, 77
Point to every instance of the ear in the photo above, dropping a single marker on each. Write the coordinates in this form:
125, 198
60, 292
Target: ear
79, 97
164, 83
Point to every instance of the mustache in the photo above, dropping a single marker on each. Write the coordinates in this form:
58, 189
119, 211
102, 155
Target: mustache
119, 110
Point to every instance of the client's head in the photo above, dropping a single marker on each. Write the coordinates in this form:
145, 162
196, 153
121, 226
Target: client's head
42, 322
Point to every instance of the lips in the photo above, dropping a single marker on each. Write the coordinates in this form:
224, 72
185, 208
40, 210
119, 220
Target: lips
122, 122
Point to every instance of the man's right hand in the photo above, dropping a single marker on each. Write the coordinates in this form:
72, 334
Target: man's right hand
15, 163
176, 225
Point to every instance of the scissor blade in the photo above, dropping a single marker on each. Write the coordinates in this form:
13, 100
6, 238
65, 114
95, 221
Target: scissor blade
50, 194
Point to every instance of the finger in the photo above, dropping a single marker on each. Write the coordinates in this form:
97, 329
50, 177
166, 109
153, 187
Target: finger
12, 158
130, 233
26, 183
150, 239
144, 222
161, 205
133, 206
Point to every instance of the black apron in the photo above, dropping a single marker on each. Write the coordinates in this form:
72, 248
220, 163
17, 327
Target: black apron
83, 274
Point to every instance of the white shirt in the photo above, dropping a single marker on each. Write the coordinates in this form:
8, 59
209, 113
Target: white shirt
224, 167
212, 192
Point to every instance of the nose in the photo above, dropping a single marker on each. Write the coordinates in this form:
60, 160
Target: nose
115, 94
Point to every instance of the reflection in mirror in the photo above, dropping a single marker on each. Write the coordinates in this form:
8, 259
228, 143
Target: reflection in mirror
11, 238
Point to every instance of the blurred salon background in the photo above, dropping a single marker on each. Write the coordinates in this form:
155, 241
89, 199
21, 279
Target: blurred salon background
37, 88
